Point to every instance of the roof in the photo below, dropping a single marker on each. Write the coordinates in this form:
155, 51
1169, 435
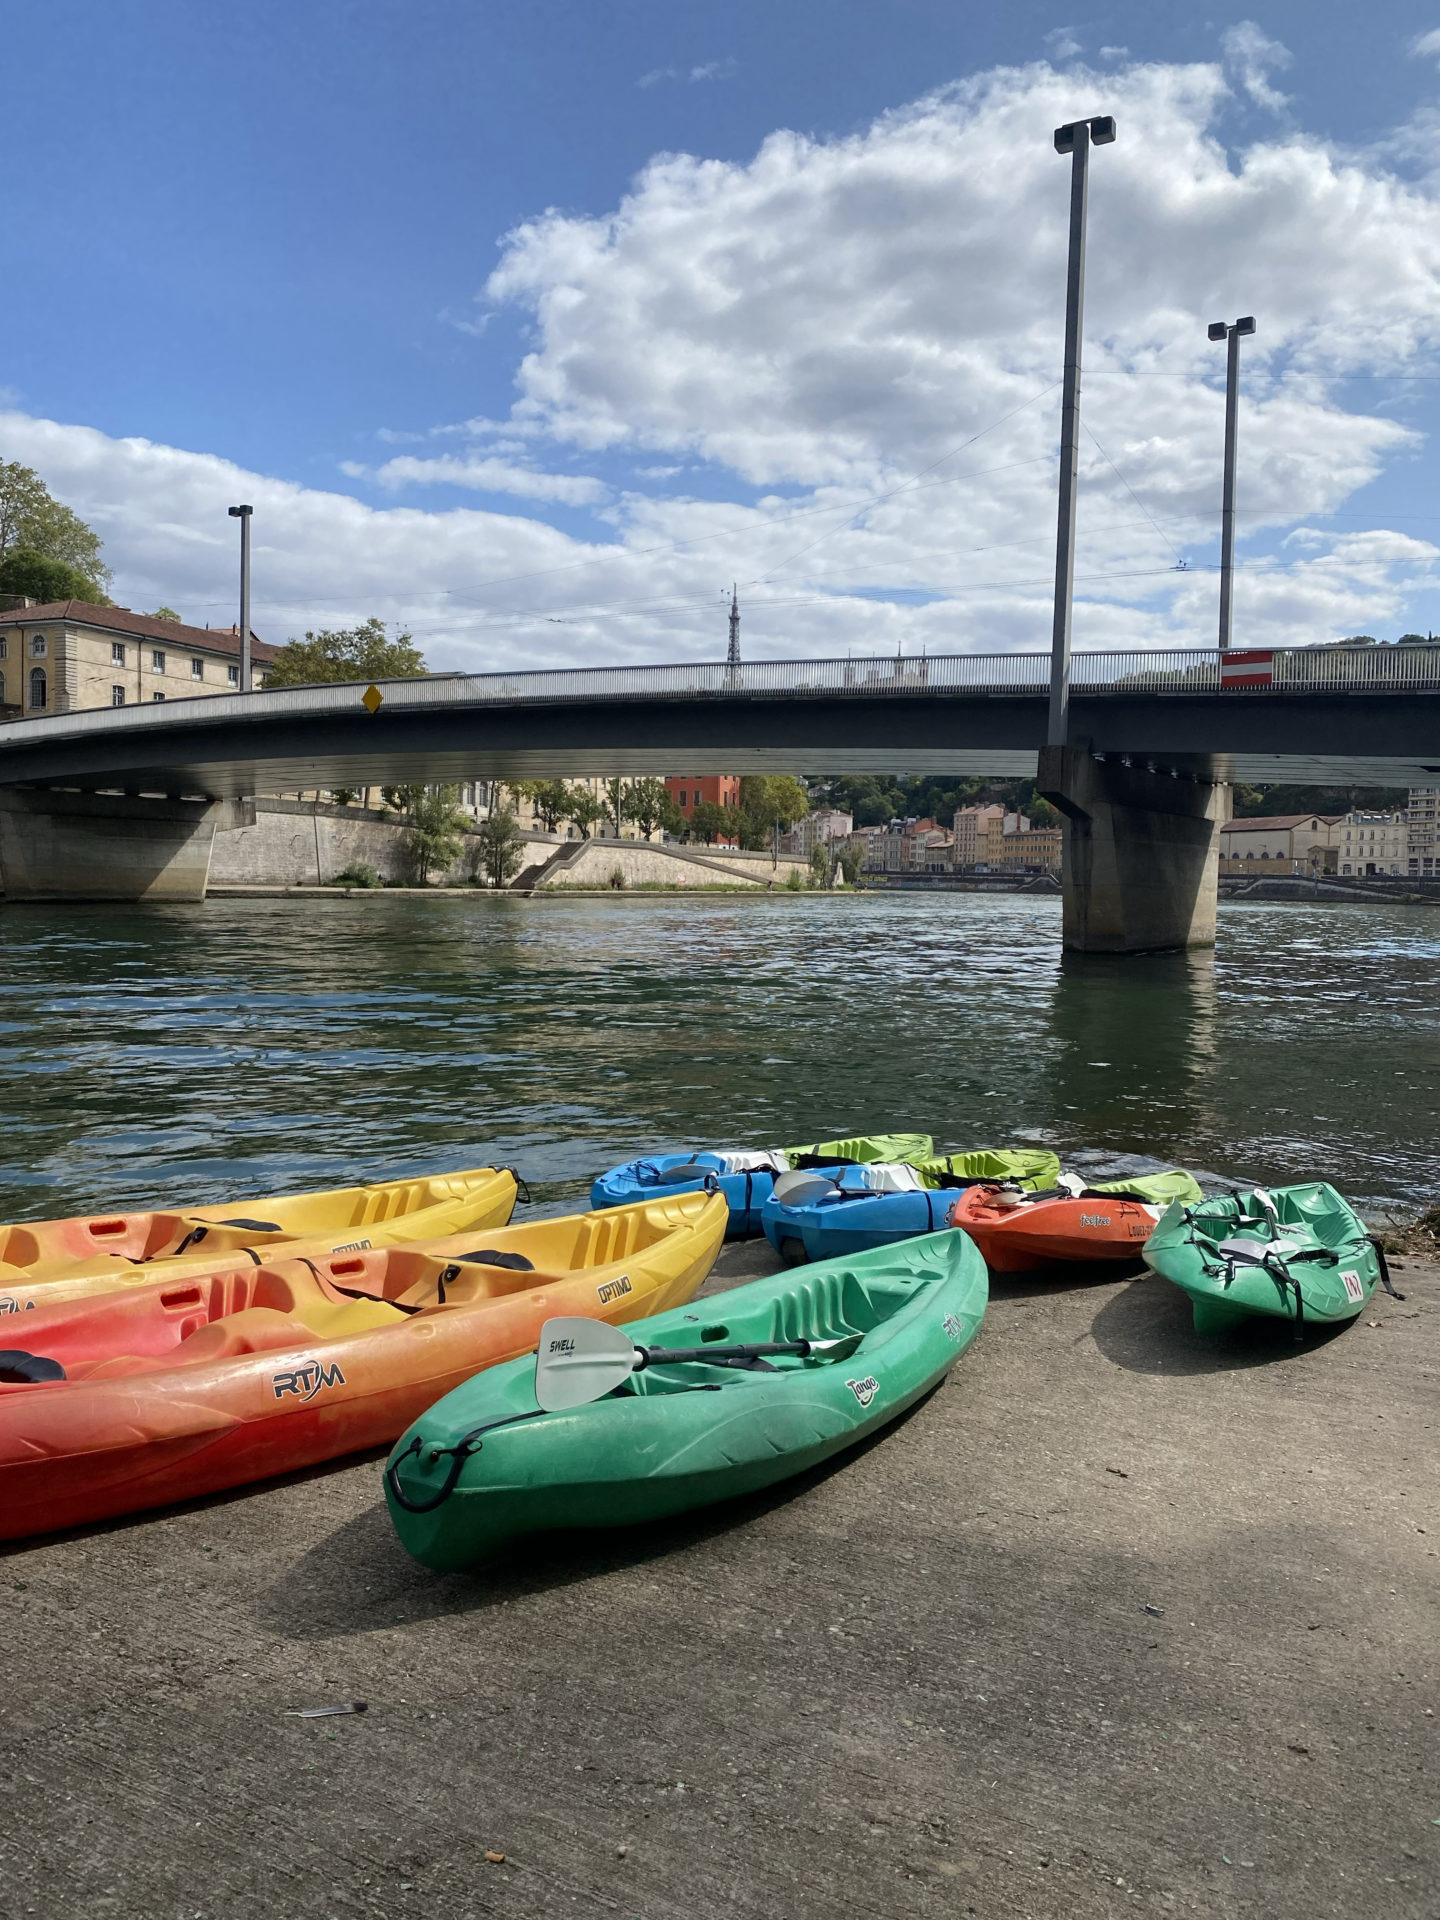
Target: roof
143, 626
1278, 822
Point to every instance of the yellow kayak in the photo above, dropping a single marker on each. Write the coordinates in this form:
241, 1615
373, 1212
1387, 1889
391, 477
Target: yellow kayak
45, 1261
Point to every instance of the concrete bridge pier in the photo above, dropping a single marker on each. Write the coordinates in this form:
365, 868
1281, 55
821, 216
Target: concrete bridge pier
1142, 851
58, 844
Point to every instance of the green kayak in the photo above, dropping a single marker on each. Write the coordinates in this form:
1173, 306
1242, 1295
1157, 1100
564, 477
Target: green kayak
1293, 1253
485, 1464
1022, 1166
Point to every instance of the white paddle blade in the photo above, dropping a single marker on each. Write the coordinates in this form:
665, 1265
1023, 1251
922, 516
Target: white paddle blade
802, 1188
578, 1361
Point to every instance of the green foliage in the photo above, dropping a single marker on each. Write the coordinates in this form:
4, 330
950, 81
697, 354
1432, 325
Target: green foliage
501, 848
710, 822
365, 652
1042, 814
852, 859
401, 799
820, 866
583, 809
30, 517
615, 808
795, 881
163, 613
358, 874
344, 796
617, 876
549, 800
648, 805
438, 828
23, 570
1256, 802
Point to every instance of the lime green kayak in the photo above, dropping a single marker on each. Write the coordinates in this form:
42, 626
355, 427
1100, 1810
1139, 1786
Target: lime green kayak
1292, 1253
1152, 1189
485, 1464
1022, 1166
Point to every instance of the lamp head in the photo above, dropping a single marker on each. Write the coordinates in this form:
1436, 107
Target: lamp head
241, 513
1217, 330
1247, 325
1101, 131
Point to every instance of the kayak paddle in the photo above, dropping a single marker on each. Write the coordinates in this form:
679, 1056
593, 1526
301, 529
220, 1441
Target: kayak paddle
581, 1360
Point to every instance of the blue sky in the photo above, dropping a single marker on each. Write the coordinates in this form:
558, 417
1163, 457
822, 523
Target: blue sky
259, 239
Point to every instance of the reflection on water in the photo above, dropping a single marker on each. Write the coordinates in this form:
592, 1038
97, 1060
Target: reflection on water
247, 1046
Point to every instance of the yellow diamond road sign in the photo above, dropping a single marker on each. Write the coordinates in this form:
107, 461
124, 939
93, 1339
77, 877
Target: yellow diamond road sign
371, 698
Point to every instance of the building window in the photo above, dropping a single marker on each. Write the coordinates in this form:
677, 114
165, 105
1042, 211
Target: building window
157, 659
2, 689
117, 653
37, 689
4, 647
157, 696
117, 696
37, 645
197, 669
233, 675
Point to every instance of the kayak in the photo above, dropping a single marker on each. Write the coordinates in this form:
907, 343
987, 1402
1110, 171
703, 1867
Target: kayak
188, 1385
47, 1260
487, 1464
1291, 1253
1017, 1232
747, 1175
815, 1216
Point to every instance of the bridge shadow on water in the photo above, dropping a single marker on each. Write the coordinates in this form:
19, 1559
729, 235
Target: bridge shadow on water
359, 1579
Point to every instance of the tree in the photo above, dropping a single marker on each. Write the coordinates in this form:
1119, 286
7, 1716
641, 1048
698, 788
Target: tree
549, 800
344, 796
709, 821
615, 807
500, 847
438, 824
768, 801
163, 613
31, 517
583, 808
365, 652
649, 805
401, 799
852, 859
23, 570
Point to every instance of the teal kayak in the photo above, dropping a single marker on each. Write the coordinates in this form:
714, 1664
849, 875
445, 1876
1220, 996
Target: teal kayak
485, 1464
1292, 1253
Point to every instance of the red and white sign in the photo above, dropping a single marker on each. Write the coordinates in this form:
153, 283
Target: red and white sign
1246, 669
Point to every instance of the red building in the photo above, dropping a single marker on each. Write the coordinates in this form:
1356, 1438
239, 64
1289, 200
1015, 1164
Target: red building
687, 791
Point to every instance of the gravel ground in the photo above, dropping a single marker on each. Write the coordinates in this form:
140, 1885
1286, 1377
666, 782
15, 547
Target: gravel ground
1119, 1621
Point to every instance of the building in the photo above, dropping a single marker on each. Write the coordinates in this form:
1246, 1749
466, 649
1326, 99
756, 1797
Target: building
1422, 832
65, 655
1372, 843
971, 826
1024, 845
818, 829
1281, 836
720, 789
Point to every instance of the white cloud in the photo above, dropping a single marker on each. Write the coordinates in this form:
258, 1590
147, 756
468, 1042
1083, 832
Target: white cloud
485, 476
1426, 46
860, 338
1061, 44
716, 70
1254, 55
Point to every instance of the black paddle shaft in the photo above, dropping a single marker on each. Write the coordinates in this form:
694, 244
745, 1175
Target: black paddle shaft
758, 1350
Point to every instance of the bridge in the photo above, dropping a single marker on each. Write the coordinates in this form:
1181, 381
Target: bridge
123, 802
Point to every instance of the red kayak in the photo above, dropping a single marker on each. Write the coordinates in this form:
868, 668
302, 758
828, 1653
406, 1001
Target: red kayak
1017, 1232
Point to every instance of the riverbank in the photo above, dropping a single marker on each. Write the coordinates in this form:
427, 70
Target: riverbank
1120, 1621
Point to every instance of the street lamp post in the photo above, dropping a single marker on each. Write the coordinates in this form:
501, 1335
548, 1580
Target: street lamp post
1218, 330
1076, 139
242, 514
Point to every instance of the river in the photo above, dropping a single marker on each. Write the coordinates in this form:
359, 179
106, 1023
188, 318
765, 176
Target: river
174, 1054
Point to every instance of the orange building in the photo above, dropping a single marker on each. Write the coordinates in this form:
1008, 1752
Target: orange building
688, 790
722, 789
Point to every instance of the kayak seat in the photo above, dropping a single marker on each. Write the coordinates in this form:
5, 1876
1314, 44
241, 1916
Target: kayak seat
474, 1281
830, 1305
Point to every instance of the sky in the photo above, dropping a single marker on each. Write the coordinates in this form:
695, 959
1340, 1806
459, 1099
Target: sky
531, 327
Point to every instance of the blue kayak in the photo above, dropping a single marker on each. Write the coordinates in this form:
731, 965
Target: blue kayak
820, 1216
745, 1176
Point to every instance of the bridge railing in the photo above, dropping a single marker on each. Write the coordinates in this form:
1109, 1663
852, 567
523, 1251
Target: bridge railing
1390, 669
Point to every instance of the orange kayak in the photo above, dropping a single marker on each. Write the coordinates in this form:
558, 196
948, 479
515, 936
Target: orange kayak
150, 1394
42, 1261
1018, 1232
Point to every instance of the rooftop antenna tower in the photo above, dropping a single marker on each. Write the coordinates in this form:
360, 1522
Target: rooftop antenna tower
732, 657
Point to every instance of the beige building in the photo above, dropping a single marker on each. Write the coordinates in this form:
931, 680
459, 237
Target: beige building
1293, 837
971, 828
1422, 832
65, 654
1372, 843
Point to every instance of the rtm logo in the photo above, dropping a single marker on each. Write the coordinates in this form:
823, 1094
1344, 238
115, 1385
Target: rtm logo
864, 1390
10, 1305
613, 1289
306, 1382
